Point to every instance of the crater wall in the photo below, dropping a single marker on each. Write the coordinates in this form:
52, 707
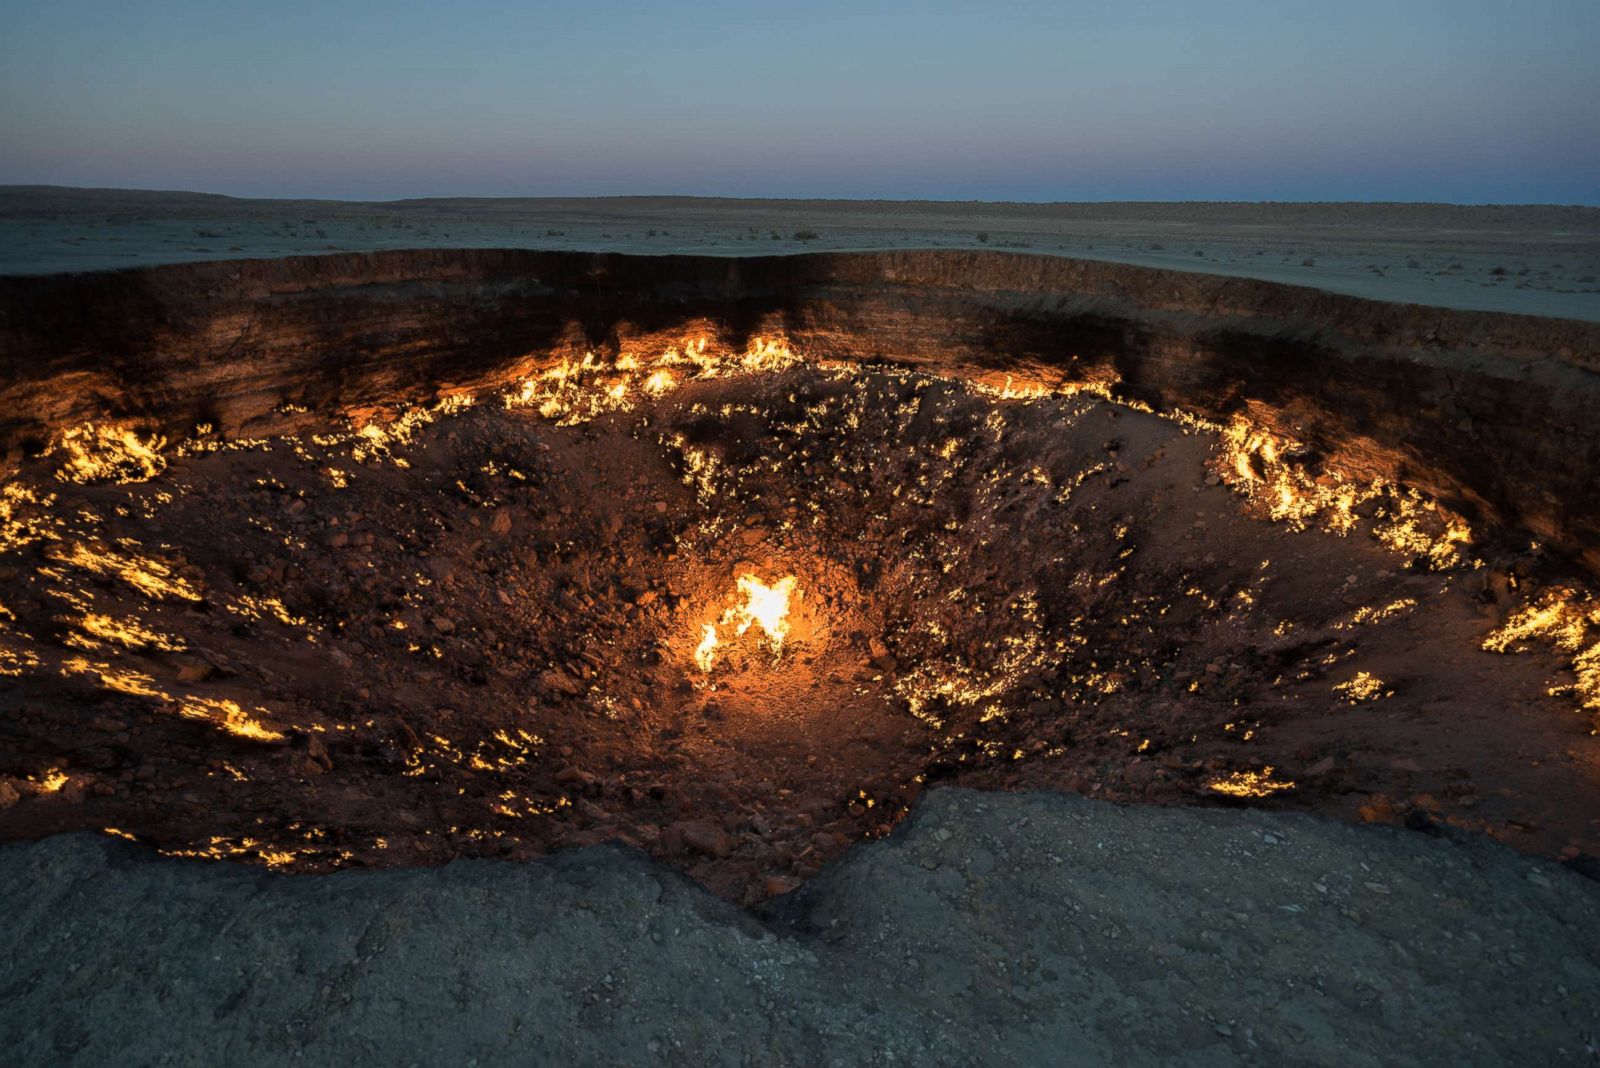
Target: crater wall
1488, 413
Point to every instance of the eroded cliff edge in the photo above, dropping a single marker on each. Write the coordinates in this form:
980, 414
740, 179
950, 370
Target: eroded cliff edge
1487, 413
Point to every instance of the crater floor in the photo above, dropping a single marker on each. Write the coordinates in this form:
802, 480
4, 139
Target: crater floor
472, 631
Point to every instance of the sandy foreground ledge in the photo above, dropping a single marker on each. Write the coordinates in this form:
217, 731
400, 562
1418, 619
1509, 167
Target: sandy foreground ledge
1015, 929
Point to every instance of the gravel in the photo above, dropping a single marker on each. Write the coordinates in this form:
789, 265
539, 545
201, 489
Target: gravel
988, 929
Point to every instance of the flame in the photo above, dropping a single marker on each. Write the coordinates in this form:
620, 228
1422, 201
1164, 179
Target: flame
767, 606
52, 781
21, 521
128, 632
1249, 784
1258, 464
228, 716
1365, 686
764, 606
150, 577
96, 452
1567, 619
573, 390
705, 654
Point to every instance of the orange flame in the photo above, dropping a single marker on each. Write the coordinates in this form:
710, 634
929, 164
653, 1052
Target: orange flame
764, 606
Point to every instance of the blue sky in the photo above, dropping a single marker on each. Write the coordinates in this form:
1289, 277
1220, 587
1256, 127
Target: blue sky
1455, 100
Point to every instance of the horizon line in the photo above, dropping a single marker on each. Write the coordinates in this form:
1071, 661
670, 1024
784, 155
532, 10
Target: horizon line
4, 187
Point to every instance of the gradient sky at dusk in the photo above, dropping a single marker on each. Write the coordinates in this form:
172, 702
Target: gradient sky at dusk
1455, 100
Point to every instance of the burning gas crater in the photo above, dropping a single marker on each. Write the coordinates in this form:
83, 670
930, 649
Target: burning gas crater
738, 611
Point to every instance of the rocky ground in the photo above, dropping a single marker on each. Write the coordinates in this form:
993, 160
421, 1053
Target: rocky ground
1531, 259
472, 630
988, 929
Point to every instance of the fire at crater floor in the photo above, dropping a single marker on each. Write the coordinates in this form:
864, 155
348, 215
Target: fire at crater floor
537, 621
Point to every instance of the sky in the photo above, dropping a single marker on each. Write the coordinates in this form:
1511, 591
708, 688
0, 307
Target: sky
1432, 100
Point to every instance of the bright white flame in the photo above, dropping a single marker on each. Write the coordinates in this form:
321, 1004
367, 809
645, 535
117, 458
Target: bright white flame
705, 654
767, 606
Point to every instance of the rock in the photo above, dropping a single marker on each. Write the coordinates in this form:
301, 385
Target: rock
317, 751
704, 837
827, 842
1378, 809
777, 885
560, 682
8, 794
1321, 767
193, 669
574, 774
501, 523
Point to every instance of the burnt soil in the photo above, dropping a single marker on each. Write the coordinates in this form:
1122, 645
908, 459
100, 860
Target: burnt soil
479, 642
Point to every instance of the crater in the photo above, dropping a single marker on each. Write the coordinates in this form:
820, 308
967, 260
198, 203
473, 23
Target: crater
735, 600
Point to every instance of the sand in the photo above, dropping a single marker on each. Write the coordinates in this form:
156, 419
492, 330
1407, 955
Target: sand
1535, 260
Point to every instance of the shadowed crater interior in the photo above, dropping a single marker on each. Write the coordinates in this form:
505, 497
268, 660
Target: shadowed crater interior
725, 598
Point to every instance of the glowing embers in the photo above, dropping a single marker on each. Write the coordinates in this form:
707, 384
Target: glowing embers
1264, 467
50, 782
762, 606
1364, 686
1249, 784
577, 389
98, 452
151, 577
25, 517
1570, 621
129, 633
224, 714
375, 442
